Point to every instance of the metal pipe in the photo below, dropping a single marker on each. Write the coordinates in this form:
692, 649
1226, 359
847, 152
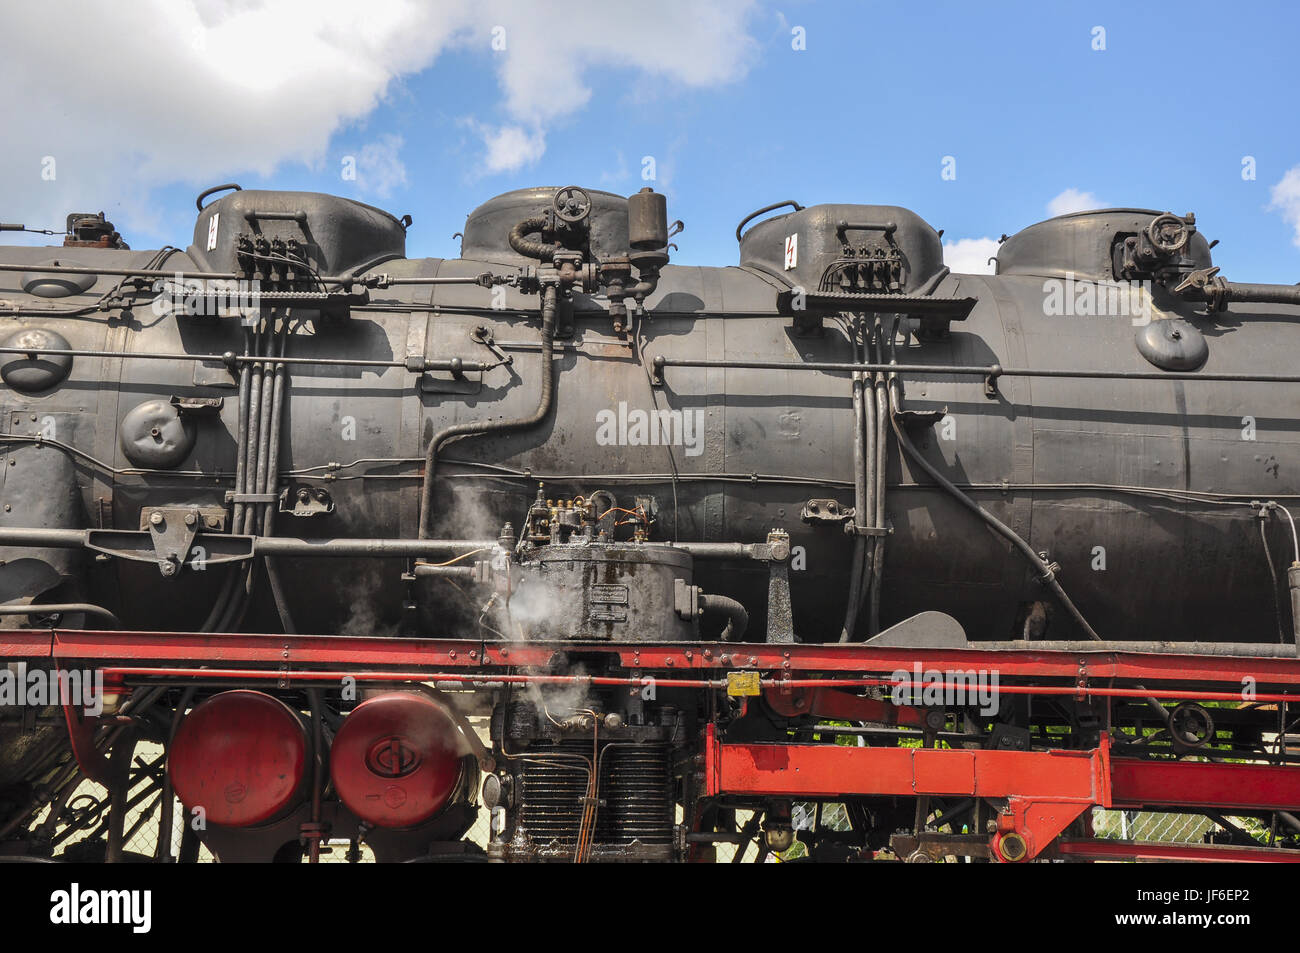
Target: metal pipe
1293, 583
163, 849
231, 359
415, 548
990, 370
757, 551
861, 455
1262, 294
335, 675
737, 617
121, 272
64, 608
271, 481
273, 546
881, 449
546, 400
1219, 649
468, 573
222, 275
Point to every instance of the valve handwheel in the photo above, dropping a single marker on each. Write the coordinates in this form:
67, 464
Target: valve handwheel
572, 204
1168, 233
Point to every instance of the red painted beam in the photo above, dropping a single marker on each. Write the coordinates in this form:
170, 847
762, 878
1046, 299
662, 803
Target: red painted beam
26, 644
1258, 787
233, 648
1061, 776
838, 770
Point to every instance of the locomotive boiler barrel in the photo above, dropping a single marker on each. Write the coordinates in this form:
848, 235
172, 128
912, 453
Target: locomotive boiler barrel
1137, 488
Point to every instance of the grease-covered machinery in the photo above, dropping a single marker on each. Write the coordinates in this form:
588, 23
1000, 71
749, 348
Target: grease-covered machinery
560, 436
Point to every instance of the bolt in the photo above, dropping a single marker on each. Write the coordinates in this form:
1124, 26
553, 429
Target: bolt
156, 518
168, 568
214, 522
8, 507
190, 519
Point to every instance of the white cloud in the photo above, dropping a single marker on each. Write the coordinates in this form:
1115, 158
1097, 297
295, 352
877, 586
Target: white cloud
509, 148
200, 91
379, 167
679, 42
970, 256
1072, 200
1286, 199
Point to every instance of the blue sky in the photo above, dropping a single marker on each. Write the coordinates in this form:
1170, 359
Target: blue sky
735, 118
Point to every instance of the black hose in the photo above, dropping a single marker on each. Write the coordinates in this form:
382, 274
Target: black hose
546, 401
1044, 573
1272, 578
1047, 576
737, 617
531, 247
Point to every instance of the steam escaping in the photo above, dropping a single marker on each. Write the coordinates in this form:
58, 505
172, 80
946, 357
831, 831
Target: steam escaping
364, 618
562, 700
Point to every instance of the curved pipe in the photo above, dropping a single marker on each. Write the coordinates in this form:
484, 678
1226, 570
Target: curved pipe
531, 247
62, 607
737, 617
546, 401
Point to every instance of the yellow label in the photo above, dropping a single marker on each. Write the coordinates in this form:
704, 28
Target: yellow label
742, 683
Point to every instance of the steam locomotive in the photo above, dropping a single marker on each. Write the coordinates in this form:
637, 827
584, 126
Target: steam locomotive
563, 440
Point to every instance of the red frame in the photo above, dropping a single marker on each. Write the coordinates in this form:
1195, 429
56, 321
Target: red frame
1044, 791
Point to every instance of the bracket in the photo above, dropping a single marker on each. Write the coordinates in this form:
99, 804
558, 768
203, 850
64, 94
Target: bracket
173, 528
